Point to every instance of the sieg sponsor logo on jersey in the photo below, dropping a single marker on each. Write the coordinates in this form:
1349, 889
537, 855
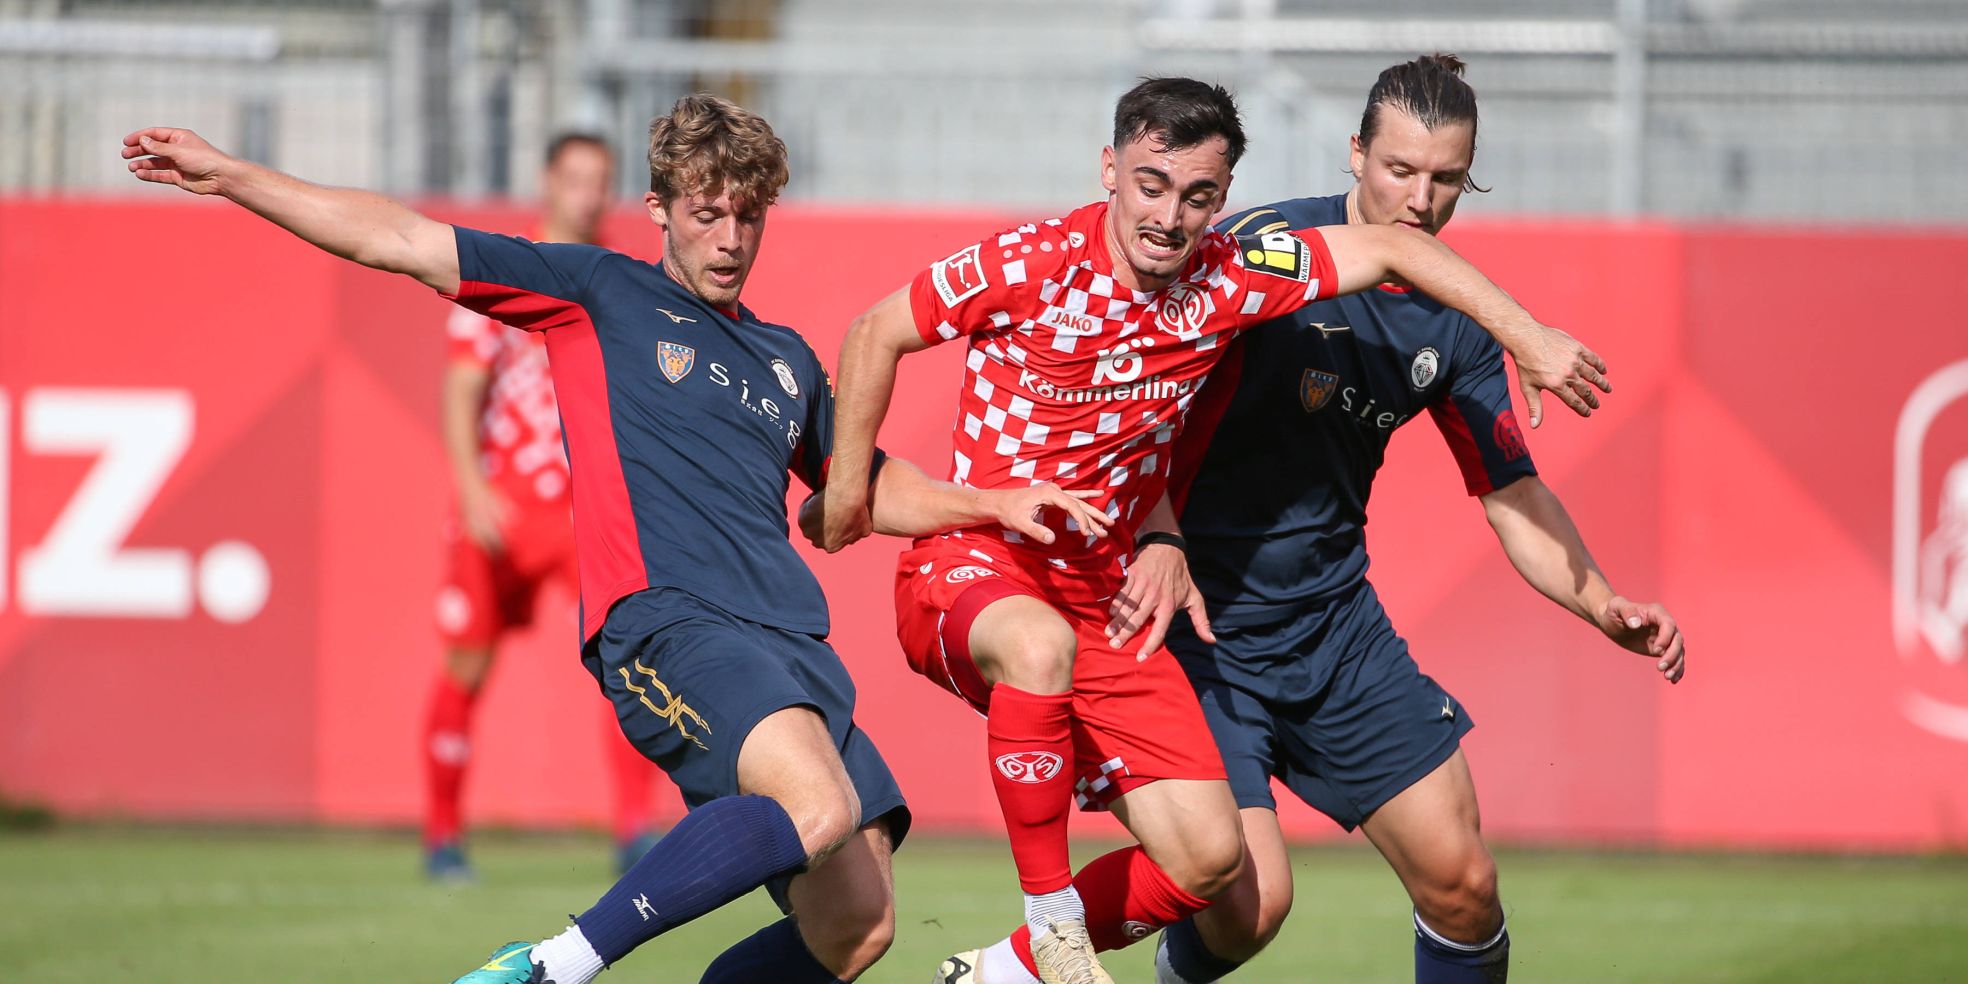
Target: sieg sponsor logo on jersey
1361, 405
762, 406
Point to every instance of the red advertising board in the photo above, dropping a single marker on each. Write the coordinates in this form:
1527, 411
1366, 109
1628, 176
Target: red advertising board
221, 489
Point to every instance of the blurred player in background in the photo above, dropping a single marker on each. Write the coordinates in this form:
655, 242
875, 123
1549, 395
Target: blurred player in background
1303, 678
1087, 337
513, 532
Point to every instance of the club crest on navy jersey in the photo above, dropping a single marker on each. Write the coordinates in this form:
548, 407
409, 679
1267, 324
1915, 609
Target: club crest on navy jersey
1427, 365
787, 381
676, 360
1315, 388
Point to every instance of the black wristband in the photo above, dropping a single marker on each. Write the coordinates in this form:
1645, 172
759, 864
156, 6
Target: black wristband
1149, 539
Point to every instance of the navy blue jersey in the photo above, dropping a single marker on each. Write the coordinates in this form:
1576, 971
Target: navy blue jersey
1273, 472
682, 424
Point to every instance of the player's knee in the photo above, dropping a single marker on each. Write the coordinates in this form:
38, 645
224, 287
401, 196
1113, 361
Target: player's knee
1461, 903
825, 815
1247, 917
1212, 863
855, 930
1039, 660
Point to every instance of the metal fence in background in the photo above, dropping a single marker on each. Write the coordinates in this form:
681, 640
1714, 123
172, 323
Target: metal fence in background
1730, 109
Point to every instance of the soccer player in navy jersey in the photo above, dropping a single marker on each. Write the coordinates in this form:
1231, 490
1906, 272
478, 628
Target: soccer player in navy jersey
683, 416
1299, 673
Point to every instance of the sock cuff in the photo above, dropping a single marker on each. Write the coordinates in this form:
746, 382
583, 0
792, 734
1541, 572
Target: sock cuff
1163, 891
1020, 712
1189, 957
1430, 937
771, 829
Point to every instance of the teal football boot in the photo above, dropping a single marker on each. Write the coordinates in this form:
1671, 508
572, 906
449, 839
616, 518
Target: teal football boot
510, 964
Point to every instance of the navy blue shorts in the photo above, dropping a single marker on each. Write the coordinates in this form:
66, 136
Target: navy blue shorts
689, 681
1327, 700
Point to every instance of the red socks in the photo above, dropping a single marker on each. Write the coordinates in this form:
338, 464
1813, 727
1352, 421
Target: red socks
1030, 747
447, 750
1127, 896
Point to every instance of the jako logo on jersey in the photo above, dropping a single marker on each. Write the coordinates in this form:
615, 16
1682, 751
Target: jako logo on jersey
1508, 436
1067, 323
1030, 767
958, 276
676, 360
1280, 254
1184, 309
787, 381
968, 574
1315, 388
1930, 553
1426, 365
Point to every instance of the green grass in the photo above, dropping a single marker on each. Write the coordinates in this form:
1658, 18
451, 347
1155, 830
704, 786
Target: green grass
91, 904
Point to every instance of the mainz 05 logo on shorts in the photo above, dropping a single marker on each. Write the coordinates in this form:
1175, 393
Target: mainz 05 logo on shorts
971, 573
1032, 767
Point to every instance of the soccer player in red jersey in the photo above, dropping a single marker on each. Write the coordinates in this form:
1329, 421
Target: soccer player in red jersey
1087, 337
512, 532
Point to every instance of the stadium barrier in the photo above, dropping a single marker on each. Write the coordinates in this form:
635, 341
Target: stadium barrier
221, 487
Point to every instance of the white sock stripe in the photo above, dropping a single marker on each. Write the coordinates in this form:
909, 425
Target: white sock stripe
1424, 929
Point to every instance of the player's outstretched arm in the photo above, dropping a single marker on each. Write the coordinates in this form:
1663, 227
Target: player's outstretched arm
1544, 545
1547, 358
863, 385
355, 225
905, 501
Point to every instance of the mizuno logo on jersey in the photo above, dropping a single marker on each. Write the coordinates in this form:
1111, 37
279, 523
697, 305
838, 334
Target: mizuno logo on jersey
1280, 254
675, 318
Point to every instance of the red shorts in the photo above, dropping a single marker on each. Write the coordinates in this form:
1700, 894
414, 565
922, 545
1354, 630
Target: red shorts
484, 594
1134, 721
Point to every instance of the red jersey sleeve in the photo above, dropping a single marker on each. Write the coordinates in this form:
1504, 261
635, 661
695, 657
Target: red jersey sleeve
992, 284
1279, 272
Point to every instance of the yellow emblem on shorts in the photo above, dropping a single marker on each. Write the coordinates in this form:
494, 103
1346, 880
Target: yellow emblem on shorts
674, 710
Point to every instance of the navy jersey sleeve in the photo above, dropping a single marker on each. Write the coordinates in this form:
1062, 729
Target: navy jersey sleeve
534, 286
1476, 418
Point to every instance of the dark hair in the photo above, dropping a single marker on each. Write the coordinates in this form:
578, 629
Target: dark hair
1182, 112
569, 138
1431, 90
706, 145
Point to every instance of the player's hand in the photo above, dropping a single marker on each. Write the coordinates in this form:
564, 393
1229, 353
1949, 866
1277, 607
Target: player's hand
1023, 511
1157, 584
1648, 630
1555, 361
843, 516
169, 155
484, 513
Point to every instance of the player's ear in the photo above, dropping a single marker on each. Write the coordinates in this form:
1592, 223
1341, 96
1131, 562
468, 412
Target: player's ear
1356, 156
1109, 177
657, 213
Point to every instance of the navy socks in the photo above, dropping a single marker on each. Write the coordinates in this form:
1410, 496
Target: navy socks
716, 853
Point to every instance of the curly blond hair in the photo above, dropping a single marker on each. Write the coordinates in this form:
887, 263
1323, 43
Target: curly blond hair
708, 145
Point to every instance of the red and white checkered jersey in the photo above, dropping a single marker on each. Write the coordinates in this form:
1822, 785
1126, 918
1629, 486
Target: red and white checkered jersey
519, 431
1075, 379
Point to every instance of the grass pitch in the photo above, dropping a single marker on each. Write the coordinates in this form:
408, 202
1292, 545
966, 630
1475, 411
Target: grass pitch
162, 906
